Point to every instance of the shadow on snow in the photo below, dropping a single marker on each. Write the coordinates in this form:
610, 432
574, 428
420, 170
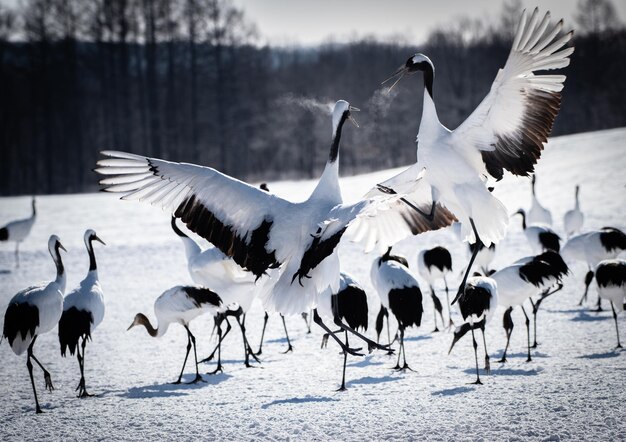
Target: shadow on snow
298, 400
173, 390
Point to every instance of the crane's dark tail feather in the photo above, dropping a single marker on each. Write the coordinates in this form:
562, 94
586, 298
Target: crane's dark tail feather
74, 324
4, 234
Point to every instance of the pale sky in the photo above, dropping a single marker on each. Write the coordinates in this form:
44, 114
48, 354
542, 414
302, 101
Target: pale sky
313, 21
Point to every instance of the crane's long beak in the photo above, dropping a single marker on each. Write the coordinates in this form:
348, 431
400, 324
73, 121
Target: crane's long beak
399, 73
351, 118
62, 248
99, 240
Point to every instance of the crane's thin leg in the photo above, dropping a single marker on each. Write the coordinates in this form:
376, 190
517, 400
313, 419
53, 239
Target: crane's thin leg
507, 323
473, 257
619, 345
476, 358
265, 318
81, 382
599, 305
305, 316
198, 378
318, 321
17, 254
289, 346
82, 388
588, 278
46, 373
219, 343
180, 376
371, 345
535, 310
345, 361
448, 306
29, 365
527, 332
219, 368
402, 351
487, 366
400, 347
437, 307
246, 345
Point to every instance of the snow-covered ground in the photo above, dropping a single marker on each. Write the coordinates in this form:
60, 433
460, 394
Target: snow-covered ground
573, 389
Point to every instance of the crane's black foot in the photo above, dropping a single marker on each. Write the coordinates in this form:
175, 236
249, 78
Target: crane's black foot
84, 394
435, 330
502, 360
529, 359
476, 382
390, 352
289, 349
38, 410
177, 382
218, 369
403, 367
251, 353
487, 366
598, 310
48, 381
197, 379
534, 345
207, 359
619, 346
353, 351
342, 388
374, 346
259, 353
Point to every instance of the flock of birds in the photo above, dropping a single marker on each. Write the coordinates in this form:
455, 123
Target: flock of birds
286, 253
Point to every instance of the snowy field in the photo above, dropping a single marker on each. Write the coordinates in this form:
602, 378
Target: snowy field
573, 389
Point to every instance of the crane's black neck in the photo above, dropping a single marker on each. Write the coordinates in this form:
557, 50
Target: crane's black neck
523, 220
92, 255
57, 260
334, 148
429, 77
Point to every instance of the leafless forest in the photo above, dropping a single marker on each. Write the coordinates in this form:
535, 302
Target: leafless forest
187, 80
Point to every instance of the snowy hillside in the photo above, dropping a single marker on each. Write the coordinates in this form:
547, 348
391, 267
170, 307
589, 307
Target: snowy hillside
573, 388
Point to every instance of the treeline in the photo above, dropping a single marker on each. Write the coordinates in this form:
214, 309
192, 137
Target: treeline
185, 80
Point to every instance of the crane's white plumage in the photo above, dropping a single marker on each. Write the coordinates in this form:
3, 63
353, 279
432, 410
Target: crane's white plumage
388, 275
34, 311
573, 218
540, 237
260, 231
18, 230
611, 280
595, 246
83, 311
537, 214
44, 302
506, 131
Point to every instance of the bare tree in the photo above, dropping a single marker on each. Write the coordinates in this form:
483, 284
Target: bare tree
596, 16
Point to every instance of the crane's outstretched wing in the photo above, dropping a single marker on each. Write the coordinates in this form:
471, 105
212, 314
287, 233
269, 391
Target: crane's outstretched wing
237, 218
391, 219
513, 121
